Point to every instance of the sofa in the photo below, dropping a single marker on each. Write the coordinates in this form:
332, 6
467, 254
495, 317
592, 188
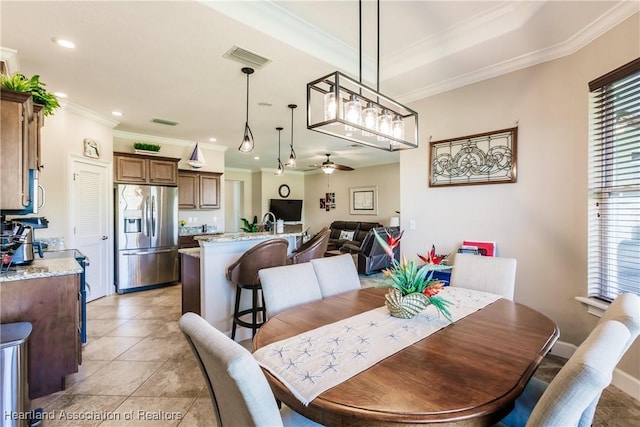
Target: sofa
352, 232
371, 256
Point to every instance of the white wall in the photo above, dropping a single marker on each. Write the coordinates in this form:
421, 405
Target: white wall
62, 136
385, 177
542, 219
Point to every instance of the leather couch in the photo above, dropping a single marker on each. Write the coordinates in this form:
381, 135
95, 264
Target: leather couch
371, 256
352, 232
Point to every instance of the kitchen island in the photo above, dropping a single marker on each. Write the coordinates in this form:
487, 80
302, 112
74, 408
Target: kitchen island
45, 294
217, 294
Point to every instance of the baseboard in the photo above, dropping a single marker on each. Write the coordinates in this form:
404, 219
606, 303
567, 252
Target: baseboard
625, 382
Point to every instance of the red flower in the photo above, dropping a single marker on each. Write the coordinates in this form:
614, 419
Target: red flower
433, 289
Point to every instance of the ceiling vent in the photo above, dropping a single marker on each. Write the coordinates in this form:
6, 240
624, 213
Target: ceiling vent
248, 58
164, 122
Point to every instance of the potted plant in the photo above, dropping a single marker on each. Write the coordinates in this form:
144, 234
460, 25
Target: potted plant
143, 146
19, 83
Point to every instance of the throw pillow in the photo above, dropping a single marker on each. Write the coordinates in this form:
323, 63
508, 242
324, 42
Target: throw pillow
346, 235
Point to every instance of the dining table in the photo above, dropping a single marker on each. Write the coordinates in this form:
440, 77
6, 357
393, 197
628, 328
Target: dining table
467, 372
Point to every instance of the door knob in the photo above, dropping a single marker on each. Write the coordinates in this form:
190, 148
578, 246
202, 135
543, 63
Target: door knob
104, 237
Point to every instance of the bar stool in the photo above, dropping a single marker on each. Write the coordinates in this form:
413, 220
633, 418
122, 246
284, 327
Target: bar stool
244, 274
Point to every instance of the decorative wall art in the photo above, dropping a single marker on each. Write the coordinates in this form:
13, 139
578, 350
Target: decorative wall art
484, 158
363, 200
330, 201
91, 148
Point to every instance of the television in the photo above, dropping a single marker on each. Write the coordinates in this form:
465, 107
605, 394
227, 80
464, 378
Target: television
286, 209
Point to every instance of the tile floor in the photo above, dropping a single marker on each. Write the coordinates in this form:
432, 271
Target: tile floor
138, 370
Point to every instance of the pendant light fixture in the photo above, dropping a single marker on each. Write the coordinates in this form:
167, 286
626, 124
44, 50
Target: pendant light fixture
280, 170
246, 145
366, 116
292, 156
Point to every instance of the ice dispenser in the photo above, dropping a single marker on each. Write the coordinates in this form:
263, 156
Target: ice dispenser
132, 221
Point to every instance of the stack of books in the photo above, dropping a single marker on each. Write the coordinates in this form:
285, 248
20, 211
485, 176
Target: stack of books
478, 248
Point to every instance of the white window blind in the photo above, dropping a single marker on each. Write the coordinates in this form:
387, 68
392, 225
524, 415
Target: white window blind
614, 183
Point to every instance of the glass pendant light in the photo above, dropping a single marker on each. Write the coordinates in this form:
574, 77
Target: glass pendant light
292, 156
332, 104
353, 112
384, 124
246, 145
369, 118
280, 170
398, 127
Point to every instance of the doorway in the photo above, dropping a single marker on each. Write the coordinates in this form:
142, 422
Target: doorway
233, 205
90, 220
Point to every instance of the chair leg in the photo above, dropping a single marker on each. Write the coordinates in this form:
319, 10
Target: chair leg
254, 310
236, 310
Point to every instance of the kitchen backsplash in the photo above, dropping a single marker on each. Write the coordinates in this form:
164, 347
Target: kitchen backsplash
196, 229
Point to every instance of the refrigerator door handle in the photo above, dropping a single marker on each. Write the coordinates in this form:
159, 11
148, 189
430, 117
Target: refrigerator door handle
153, 216
163, 251
145, 224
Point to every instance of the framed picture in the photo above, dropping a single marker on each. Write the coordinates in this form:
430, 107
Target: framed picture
484, 158
91, 148
363, 200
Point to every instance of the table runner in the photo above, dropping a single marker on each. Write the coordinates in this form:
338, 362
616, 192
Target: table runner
315, 361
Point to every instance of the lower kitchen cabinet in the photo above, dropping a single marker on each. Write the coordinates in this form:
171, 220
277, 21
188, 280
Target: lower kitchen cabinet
190, 284
51, 305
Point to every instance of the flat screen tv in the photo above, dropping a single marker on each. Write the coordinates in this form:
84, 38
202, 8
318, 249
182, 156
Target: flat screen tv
286, 209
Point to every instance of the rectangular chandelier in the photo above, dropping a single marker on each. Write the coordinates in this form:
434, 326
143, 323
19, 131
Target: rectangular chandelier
338, 105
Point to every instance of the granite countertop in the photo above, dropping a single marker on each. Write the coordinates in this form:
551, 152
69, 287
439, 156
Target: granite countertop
238, 237
41, 268
194, 252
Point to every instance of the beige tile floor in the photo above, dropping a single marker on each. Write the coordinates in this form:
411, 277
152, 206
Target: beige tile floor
138, 370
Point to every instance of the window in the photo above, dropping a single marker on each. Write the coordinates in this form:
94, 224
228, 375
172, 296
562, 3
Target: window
614, 183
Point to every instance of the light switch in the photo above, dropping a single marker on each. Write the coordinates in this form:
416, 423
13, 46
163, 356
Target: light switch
412, 224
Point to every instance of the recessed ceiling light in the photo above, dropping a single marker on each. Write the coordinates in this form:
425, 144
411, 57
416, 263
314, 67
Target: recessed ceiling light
60, 94
212, 139
117, 113
64, 43
256, 158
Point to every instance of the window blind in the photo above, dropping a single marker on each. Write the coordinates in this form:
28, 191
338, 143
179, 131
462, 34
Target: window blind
614, 183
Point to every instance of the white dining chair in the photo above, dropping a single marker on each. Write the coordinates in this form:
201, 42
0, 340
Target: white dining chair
626, 310
581, 380
239, 392
288, 286
483, 273
336, 274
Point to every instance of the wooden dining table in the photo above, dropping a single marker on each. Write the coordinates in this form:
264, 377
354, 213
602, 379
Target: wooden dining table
468, 373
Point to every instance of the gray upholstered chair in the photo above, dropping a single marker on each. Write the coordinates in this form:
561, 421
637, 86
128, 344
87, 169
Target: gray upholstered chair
288, 286
239, 391
571, 397
483, 273
336, 274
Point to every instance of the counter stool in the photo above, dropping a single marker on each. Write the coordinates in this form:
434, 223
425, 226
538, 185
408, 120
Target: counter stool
244, 274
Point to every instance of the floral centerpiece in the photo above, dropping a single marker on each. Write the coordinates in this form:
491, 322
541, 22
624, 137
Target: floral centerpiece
412, 287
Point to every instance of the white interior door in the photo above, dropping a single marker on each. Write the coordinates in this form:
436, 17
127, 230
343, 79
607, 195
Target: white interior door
90, 220
233, 194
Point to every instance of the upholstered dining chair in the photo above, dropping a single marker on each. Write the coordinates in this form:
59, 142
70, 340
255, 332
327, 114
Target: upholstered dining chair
288, 286
587, 372
239, 392
314, 248
244, 274
336, 274
626, 310
483, 273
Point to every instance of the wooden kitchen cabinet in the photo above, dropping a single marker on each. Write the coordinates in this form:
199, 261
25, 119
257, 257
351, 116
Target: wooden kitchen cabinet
198, 190
132, 168
20, 147
51, 305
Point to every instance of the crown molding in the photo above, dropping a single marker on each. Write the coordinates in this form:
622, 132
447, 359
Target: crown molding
10, 58
89, 114
163, 140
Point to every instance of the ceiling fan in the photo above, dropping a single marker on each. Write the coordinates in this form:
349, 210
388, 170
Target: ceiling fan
328, 167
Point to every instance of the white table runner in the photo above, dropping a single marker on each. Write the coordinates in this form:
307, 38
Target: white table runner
317, 360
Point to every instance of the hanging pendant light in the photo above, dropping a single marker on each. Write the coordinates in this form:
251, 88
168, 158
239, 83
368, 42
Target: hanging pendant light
292, 156
383, 123
246, 145
280, 169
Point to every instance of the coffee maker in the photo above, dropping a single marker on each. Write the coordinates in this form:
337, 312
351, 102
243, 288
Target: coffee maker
18, 241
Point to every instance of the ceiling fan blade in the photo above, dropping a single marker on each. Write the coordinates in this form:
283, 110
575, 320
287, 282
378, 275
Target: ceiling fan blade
343, 168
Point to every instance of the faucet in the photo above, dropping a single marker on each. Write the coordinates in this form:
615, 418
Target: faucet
273, 223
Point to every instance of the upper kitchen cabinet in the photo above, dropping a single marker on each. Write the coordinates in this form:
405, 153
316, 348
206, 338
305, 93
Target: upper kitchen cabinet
132, 168
198, 190
20, 146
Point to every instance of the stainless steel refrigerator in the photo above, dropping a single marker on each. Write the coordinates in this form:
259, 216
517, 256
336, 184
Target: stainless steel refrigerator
146, 226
